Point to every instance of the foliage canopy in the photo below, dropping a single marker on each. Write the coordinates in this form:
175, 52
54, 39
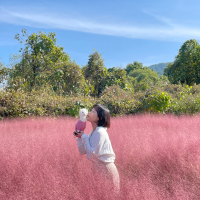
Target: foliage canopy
186, 67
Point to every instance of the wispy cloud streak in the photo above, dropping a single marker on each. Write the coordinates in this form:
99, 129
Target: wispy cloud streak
168, 31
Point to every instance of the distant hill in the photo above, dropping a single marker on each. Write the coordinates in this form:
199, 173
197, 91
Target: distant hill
159, 68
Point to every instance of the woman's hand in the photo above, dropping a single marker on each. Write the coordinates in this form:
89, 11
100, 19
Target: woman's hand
79, 134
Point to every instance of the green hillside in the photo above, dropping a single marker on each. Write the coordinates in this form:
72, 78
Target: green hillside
159, 68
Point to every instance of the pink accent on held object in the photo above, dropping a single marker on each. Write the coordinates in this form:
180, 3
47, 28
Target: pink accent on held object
80, 125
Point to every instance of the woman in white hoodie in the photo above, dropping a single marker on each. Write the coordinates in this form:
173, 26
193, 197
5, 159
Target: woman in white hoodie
97, 146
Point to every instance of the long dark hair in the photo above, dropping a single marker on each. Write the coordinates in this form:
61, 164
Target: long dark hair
103, 115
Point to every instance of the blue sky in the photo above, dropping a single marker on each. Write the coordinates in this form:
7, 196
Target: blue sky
122, 31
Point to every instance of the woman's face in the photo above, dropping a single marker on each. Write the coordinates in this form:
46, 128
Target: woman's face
92, 116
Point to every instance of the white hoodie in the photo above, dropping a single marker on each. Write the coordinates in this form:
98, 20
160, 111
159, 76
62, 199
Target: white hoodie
97, 147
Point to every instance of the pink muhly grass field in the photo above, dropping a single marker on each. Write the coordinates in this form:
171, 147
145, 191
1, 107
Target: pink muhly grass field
158, 157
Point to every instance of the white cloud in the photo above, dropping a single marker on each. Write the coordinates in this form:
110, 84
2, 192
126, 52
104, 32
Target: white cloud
167, 31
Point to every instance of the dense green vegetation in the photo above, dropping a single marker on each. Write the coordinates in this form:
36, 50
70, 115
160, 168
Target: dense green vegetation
186, 67
43, 80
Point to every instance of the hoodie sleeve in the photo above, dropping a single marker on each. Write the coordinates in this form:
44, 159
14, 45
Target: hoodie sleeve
94, 151
80, 145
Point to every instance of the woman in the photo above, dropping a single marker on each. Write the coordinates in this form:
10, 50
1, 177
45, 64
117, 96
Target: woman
98, 147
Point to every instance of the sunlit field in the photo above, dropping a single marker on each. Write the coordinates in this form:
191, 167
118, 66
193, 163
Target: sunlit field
158, 157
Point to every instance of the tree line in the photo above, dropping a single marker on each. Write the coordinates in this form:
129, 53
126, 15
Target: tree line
186, 66
42, 62
43, 80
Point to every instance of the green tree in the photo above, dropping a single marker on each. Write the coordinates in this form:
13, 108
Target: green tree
168, 72
117, 76
143, 77
96, 73
40, 54
144, 73
132, 66
186, 67
4, 72
69, 79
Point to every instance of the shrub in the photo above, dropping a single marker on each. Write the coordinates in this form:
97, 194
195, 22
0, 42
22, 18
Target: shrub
37, 103
45, 102
172, 90
186, 102
189, 105
159, 102
118, 101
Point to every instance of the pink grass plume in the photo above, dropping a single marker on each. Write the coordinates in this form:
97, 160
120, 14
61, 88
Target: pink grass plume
157, 156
